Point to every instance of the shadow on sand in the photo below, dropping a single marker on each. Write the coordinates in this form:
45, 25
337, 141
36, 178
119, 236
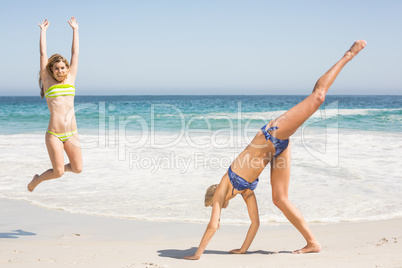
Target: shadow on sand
181, 253
15, 234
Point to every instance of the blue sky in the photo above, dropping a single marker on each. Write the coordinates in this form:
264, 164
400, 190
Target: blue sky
206, 46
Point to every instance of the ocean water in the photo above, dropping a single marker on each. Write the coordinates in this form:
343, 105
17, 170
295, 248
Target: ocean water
152, 157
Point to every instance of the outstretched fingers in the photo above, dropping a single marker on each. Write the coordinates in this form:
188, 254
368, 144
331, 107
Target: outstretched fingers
73, 23
44, 24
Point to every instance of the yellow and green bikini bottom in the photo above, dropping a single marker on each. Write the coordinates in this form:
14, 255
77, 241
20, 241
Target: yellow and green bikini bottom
63, 137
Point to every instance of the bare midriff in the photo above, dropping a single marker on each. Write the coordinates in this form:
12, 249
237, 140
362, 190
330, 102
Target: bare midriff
252, 161
62, 114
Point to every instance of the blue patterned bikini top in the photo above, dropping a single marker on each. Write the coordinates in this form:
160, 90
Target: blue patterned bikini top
239, 183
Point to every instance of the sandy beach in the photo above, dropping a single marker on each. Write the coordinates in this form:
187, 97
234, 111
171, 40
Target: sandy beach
31, 236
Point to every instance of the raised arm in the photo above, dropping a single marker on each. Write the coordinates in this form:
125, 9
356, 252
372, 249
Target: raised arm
42, 45
213, 224
252, 208
74, 48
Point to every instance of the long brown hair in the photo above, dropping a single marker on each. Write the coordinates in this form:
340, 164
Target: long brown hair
52, 60
209, 195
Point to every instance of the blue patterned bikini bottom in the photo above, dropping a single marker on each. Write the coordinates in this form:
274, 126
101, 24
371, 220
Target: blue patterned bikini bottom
280, 145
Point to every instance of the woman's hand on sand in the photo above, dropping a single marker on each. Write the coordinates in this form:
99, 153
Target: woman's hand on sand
193, 257
73, 23
236, 251
44, 25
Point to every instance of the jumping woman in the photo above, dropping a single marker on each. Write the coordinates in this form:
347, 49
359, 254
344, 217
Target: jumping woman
270, 145
56, 81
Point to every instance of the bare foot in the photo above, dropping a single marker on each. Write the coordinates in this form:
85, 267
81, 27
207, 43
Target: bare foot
194, 257
310, 248
356, 47
34, 182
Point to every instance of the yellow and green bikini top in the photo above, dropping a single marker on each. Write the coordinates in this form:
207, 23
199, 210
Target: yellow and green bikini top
60, 90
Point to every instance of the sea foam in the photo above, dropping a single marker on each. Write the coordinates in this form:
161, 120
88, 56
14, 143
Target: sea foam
337, 175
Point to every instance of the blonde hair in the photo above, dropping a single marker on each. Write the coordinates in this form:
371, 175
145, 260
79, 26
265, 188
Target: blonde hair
51, 61
209, 195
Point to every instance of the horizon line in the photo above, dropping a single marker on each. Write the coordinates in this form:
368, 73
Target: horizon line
110, 95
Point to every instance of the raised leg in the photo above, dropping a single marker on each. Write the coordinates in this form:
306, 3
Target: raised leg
280, 176
290, 121
55, 151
